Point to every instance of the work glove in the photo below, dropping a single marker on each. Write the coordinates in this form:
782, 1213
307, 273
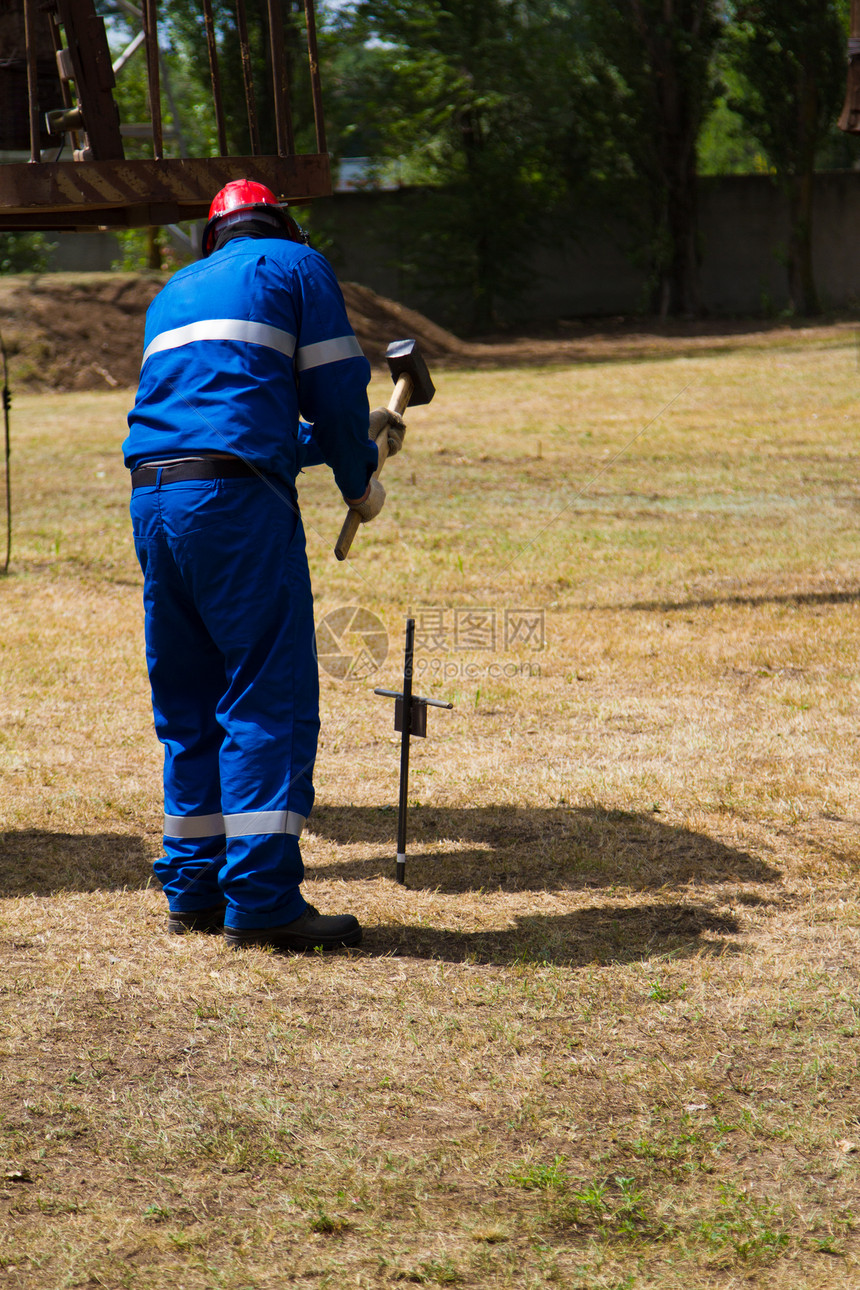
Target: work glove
369, 506
382, 419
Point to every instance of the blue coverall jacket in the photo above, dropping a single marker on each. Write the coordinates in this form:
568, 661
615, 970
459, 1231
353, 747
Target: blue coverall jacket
249, 353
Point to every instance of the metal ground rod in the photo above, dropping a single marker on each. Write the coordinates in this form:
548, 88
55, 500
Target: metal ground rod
404, 750
410, 718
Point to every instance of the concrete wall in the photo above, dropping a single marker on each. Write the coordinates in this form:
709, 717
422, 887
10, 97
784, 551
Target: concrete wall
743, 224
744, 232
93, 252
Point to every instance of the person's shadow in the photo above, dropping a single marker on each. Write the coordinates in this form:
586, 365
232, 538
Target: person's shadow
599, 935
501, 850
496, 850
504, 848
37, 862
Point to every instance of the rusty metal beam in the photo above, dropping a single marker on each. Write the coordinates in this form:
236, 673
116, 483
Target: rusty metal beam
215, 76
93, 76
280, 80
150, 35
100, 188
56, 42
129, 194
248, 76
316, 84
32, 78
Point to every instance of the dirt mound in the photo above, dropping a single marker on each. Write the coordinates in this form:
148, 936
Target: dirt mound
85, 331
377, 321
75, 332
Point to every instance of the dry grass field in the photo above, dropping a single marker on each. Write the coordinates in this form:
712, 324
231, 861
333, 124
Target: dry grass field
607, 1035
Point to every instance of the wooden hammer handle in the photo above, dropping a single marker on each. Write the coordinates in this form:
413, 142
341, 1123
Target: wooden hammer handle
398, 402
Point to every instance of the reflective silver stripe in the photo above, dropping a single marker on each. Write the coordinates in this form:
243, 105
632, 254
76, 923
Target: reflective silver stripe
252, 333
328, 351
249, 822
194, 826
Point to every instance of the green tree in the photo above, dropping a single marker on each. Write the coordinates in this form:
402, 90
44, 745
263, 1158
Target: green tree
187, 36
25, 252
185, 97
725, 145
474, 98
789, 56
185, 59
661, 52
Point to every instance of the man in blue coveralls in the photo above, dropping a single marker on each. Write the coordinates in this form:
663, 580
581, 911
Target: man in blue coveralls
237, 347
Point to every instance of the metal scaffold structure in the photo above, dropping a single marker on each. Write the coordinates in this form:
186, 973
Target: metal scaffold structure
56, 84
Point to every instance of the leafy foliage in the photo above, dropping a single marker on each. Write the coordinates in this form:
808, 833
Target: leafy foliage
186, 27
789, 58
511, 114
662, 54
475, 98
24, 252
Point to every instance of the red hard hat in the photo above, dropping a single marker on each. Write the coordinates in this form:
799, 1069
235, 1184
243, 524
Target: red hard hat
241, 195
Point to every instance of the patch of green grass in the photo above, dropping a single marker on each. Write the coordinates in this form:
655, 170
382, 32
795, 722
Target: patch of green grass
155, 1213
541, 1177
327, 1224
742, 1226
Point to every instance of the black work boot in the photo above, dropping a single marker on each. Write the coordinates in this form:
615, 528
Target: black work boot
312, 931
199, 920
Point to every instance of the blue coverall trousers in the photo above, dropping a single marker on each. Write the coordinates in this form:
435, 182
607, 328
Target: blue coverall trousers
235, 691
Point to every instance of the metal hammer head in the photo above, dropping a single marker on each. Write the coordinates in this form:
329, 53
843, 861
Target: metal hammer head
405, 358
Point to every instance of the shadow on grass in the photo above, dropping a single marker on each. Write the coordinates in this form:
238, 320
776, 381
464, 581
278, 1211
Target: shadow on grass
635, 340
510, 850
490, 848
35, 862
599, 935
749, 600
500, 848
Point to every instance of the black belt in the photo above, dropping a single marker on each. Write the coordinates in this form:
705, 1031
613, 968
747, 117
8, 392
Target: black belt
197, 468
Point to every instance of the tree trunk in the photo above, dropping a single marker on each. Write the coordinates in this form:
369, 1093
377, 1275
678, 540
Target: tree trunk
801, 191
483, 286
153, 248
801, 278
679, 274
677, 99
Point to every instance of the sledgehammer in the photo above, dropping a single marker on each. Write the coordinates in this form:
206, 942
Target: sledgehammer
412, 387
